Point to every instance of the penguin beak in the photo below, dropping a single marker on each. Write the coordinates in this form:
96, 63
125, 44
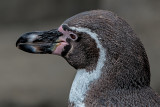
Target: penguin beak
43, 42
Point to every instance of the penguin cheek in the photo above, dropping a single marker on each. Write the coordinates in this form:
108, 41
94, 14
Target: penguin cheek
66, 50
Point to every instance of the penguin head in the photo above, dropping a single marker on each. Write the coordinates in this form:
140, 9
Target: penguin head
78, 47
94, 38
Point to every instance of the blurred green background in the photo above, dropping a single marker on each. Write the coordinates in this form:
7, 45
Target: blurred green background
28, 80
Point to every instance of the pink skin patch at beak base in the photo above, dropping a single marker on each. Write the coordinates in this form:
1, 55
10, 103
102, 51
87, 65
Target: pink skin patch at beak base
62, 41
59, 48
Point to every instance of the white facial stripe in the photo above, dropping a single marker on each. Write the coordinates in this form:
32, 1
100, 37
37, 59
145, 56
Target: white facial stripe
83, 79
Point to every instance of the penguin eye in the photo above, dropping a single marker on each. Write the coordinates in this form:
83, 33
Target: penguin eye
73, 36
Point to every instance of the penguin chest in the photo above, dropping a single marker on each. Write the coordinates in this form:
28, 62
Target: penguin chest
80, 86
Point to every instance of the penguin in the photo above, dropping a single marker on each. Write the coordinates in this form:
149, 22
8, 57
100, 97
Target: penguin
111, 62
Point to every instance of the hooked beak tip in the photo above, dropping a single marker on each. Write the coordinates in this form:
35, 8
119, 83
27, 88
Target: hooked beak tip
21, 40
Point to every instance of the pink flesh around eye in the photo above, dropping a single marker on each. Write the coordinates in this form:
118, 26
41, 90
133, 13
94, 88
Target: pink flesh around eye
67, 34
73, 36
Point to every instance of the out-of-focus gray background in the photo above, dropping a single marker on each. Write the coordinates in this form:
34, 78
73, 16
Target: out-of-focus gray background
28, 80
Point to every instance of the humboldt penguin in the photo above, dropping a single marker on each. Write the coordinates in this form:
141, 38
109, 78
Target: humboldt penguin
111, 62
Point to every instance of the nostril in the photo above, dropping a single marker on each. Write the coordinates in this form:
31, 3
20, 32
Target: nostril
21, 40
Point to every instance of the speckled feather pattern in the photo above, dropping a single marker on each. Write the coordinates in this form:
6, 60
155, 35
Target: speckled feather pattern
125, 76
83, 78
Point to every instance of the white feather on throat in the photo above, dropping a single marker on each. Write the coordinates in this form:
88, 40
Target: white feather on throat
83, 79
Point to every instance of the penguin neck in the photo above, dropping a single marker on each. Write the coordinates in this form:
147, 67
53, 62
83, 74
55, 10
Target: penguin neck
84, 78
81, 85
